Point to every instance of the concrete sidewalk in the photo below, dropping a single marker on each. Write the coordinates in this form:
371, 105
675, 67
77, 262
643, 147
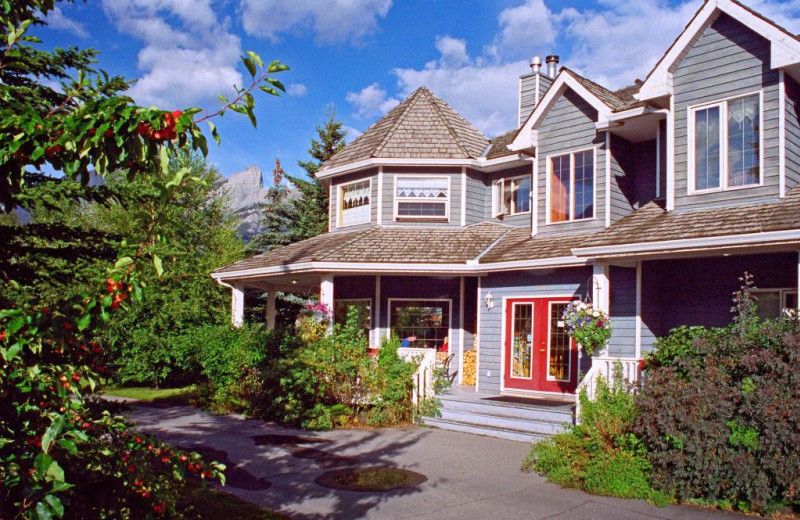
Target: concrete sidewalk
469, 477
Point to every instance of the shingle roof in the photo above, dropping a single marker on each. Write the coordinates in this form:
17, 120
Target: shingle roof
518, 244
422, 126
652, 223
621, 99
385, 244
498, 146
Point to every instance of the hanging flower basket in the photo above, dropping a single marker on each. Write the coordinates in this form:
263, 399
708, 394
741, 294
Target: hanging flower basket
589, 327
313, 321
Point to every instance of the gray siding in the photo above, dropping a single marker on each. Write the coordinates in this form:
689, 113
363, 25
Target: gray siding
644, 178
389, 176
622, 287
334, 199
562, 282
527, 98
792, 132
699, 291
662, 159
567, 127
476, 197
727, 60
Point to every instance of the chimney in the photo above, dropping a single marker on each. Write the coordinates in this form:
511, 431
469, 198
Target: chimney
552, 65
536, 64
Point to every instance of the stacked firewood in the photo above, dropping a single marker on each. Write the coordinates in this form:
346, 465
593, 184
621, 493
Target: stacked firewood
469, 367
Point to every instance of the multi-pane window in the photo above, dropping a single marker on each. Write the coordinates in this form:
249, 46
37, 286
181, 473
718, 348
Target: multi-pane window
727, 144
354, 203
511, 196
422, 198
572, 186
420, 323
770, 303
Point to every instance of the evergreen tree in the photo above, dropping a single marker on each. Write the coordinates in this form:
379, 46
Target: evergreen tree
287, 220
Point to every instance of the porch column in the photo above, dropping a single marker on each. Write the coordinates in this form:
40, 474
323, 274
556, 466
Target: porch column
376, 319
600, 287
798, 279
271, 311
461, 332
326, 293
237, 305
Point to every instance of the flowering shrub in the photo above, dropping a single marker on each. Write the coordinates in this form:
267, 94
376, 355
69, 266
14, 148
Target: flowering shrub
313, 321
590, 327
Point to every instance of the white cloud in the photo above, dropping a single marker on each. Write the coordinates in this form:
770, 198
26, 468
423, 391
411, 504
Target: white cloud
525, 27
189, 55
453, 52
331, 21
56, 19
352, 134
296, 89
371, 101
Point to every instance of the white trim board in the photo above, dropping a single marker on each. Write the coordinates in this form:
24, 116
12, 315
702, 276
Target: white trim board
481, 163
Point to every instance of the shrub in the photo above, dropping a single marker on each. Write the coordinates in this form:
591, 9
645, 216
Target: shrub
600, 454
719, 412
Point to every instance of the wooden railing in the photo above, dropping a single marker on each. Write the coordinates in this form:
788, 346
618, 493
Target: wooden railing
604, 367
423, 377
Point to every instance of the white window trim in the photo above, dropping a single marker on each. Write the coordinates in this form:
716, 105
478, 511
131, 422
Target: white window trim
549, 172
549, 335
449, 315
723, 161
398, 200
339, 198
782, 293
497, 196
354, 300
511, 375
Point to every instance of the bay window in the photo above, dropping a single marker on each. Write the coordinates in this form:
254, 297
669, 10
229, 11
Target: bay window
725, 144
571, 185
423, 198
511, 196
354, 203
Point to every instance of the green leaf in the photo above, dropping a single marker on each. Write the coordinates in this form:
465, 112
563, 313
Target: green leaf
43, 511
256, 58
61, 486
251, 67
42, 462
123, 262
55, 472
52, 432
277, 66
84, 321
214, 133
69, 446
158, 265
55, 505
278, 84
11, 352
15, 324
269, 90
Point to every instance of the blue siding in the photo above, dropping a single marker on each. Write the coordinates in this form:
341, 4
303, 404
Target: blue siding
556, 282
389, 176
727, 60
623, 311
792, 132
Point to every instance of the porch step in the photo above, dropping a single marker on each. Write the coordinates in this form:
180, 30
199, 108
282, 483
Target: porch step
519, 420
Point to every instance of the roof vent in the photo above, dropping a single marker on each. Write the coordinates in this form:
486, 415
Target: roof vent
536, 64
552, 65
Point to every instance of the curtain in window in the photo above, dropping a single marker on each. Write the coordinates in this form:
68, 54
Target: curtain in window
422, 188
706, 146
355, 203
743, 141
559, 189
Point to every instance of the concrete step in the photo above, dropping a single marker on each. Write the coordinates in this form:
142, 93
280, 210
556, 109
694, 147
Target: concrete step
487, 431
557, 414
535, 426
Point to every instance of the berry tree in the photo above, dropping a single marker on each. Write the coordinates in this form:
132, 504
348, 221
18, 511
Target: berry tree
63, 454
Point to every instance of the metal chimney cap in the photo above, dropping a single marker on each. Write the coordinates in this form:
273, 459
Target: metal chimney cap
553, 58
536, 63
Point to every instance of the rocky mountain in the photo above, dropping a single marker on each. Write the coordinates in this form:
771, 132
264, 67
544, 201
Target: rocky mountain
245, 191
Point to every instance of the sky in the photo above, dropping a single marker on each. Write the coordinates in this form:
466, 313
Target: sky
359, 58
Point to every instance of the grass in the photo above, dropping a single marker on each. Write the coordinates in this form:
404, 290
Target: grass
178, 396
207, 503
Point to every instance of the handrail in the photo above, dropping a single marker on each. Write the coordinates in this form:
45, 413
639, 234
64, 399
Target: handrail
603, 367
424, 375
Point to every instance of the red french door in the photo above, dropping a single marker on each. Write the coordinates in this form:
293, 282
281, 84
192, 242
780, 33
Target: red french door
539, 354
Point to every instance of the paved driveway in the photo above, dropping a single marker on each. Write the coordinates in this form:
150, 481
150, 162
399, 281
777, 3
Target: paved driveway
469, 477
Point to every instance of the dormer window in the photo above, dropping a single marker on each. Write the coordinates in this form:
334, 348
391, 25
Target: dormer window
422, 198
354, 203
570, 182
725, 144
511, 196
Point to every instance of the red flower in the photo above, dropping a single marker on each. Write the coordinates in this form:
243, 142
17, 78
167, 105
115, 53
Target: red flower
160, 508
3, 334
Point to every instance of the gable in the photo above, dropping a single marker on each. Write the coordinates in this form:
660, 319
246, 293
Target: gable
569, 113
784, 47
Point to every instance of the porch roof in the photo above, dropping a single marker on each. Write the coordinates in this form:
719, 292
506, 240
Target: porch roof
652, 224
518, 245
380, 245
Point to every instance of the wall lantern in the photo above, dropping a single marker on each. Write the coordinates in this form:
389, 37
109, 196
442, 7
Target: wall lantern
489, 300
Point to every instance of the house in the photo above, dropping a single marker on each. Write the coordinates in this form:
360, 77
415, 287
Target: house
650, 201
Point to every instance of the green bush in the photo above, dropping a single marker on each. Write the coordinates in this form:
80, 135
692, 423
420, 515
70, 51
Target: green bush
600, 454
724, 427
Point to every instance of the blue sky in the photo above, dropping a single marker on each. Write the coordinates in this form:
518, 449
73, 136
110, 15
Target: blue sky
361, 57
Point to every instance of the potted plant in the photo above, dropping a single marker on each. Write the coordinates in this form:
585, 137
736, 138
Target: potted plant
589, 327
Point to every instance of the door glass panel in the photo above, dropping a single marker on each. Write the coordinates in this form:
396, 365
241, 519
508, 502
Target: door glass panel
559, 352
522, 341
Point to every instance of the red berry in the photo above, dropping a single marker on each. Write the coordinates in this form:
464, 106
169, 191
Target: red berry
3, 334
76, 378
176, 114
109, 133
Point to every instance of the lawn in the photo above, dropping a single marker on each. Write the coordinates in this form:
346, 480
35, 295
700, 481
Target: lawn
178, 396
211, 504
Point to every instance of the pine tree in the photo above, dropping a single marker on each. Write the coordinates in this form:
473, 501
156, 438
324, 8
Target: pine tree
287, 220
